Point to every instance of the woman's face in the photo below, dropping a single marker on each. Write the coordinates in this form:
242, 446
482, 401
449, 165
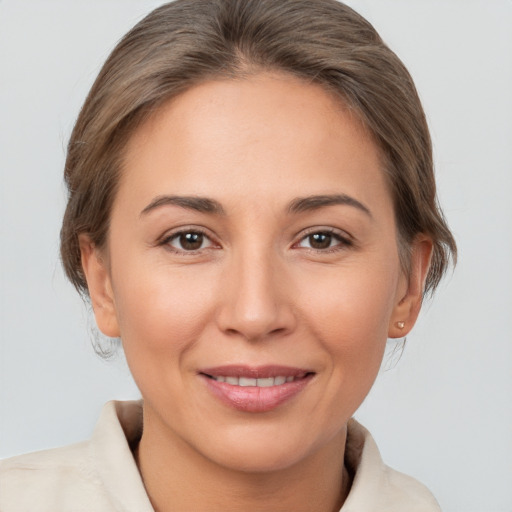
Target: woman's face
252, 270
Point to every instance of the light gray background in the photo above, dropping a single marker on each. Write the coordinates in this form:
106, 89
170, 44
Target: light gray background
444, 412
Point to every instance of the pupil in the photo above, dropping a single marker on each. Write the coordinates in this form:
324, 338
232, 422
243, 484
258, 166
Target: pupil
191, 241
320, 240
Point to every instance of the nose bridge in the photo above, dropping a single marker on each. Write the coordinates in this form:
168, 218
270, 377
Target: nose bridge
255, 303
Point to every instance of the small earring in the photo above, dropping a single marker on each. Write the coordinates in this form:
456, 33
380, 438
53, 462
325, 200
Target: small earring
400, 325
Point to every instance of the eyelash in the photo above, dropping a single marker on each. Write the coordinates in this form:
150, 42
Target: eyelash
166, 240
343, 241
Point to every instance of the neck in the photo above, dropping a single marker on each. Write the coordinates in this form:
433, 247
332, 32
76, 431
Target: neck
177, 477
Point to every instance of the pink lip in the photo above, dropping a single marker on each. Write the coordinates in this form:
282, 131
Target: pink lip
254, 398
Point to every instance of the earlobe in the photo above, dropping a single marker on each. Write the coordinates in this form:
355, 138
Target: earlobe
100, 287
408, 303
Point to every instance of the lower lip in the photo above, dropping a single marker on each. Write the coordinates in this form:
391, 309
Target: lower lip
254, 398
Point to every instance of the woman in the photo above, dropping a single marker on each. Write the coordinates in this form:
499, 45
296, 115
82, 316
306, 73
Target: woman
252, 211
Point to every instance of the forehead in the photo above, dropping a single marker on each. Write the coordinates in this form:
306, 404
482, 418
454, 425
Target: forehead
269, 135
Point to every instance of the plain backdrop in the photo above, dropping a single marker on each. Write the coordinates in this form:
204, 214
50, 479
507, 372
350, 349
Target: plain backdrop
443, 413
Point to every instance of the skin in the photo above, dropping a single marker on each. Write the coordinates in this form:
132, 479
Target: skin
257, 291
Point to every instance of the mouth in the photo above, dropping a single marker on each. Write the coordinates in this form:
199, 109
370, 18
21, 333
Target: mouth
261, 382
255, 389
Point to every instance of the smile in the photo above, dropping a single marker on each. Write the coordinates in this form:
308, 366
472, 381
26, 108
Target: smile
260, 389
260, 383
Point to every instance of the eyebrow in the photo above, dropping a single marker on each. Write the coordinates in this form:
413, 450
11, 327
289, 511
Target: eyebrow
199, 204
303, 204
299, 205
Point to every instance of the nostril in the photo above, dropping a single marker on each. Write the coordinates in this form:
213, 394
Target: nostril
278, 330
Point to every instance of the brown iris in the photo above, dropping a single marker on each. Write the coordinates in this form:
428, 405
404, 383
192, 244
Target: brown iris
320, 240
191, 241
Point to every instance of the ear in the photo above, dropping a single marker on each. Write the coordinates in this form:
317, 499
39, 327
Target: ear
410, 293
100, 287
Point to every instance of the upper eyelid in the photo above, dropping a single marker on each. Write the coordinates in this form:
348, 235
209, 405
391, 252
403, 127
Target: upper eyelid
345, 241
173, 233
324, 229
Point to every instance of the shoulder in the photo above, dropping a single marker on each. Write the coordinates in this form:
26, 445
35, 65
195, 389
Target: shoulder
377, 487
50, 480
400, 490
99, 475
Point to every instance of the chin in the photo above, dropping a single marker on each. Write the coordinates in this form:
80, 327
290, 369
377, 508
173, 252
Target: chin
262, 459
263, 450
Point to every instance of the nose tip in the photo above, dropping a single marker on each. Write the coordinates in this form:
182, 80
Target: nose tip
253, 329
256, 303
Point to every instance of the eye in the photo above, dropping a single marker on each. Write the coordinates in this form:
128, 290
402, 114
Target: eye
323, 240
188, 241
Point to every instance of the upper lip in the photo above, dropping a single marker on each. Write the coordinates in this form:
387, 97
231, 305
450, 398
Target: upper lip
255, 372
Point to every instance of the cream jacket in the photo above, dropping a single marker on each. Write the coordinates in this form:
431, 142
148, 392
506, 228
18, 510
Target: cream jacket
100, 475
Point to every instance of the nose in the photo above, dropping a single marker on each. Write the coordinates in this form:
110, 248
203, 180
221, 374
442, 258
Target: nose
256, 301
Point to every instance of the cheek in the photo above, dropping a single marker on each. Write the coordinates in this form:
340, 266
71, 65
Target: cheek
160, 309
356, 299
349, 310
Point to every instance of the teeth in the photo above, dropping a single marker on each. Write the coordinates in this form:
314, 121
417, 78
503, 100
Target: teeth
265, 383
243, 381
261, 383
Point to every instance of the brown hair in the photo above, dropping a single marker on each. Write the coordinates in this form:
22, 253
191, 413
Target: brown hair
189, 41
